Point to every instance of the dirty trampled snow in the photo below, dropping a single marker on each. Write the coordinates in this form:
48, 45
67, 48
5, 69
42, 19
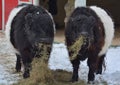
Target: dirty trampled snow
59, 60
7, 63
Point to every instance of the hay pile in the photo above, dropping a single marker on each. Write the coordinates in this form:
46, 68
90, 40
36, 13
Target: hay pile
42, 75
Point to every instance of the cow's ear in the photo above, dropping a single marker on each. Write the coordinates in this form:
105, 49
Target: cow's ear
91, 21
28, 18
28, 21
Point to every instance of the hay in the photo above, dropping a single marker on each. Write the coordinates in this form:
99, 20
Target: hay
43, 51
75, 47
42, 75
41, 72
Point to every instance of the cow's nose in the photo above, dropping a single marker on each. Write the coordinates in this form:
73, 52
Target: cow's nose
84, 34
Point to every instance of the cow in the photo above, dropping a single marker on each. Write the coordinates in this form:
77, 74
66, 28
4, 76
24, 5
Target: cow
30, 33
88, 35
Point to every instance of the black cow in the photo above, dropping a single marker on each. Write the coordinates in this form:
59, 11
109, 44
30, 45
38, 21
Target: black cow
90, 31
30, 30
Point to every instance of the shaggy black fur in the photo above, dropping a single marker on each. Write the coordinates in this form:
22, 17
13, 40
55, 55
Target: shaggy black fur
84, 22
30, 27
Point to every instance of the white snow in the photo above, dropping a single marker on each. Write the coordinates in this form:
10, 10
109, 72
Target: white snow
112, 73
59, 60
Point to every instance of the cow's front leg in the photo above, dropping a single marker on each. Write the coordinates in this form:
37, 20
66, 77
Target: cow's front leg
27, 59
92, 68
75, 64
27, 68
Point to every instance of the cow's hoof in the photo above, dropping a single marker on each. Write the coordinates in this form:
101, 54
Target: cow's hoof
91, 82
26, 75
18, 70
73, 80
99, 71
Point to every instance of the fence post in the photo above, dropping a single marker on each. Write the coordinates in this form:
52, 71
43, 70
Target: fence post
3, 15
79, 3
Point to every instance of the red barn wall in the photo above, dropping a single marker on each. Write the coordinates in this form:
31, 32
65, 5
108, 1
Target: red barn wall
25, 0
9, 5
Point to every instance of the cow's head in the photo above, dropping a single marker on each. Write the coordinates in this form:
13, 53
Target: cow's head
83, 26
39, 27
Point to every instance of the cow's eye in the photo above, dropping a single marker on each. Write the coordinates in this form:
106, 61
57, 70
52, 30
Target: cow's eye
37, 13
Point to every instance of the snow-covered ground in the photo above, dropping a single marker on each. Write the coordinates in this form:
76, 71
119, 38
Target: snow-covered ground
59, 60
7, 63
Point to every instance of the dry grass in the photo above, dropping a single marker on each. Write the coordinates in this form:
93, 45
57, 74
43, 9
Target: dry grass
41, 75
75, 47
